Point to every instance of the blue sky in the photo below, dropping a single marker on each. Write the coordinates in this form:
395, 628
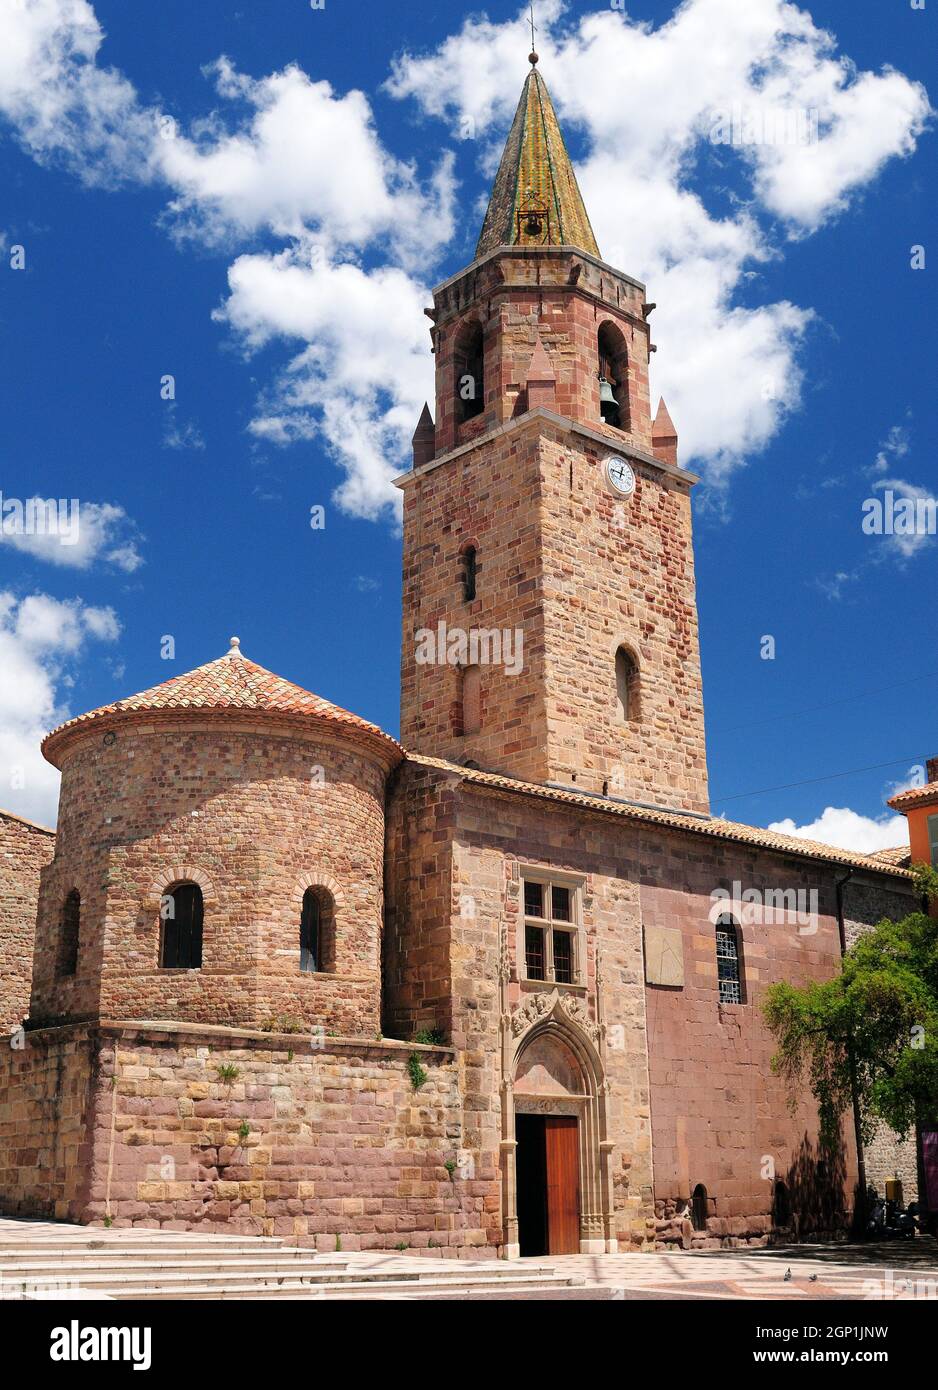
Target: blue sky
251, 245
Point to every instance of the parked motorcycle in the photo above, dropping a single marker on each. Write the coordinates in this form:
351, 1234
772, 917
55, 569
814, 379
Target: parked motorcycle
889, 1221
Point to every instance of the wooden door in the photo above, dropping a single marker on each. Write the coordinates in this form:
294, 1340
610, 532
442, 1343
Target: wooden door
563, 1184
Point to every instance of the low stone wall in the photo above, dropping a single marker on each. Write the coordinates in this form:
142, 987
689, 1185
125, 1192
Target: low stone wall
187, 1127
47, 1090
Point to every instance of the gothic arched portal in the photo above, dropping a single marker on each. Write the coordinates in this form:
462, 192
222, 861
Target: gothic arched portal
556, 1183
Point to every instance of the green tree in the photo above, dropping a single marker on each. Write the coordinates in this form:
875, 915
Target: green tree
872, 1031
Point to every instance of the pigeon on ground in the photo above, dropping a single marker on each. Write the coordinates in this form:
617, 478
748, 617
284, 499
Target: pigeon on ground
787, 1275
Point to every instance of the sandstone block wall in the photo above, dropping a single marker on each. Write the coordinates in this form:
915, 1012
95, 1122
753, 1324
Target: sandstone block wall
488, 499
578, 572
720, 1116
699, 1103
218, 1130
497, 838
620, 572
24, 849
418, 903
49, 1090
254, 816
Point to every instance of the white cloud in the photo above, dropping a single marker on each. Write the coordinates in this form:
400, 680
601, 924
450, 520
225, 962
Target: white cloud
184, 436
308, 161
62, 105
40, 640
921, 505
289, 157
83, 535
846, 829
730, 374
363, 374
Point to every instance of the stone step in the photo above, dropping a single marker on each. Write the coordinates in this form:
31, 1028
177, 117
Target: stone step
245, 1245
310, 1275
32, 1261
363, 1289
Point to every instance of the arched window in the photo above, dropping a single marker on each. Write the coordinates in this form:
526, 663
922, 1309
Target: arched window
471, 700
698, 1208
181, 911
468, 357
729, 961
317, 937
781, 1205
470, 565
613, 376
626, 686
69, 930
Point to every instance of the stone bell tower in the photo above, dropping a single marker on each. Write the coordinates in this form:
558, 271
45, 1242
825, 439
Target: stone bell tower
550, 621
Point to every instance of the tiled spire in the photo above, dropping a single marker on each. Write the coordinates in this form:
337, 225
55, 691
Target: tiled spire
536, 199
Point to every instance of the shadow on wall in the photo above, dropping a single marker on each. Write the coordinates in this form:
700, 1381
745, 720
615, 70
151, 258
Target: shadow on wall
810, 1201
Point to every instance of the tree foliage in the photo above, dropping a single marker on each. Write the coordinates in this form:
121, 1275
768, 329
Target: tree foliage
875, 1025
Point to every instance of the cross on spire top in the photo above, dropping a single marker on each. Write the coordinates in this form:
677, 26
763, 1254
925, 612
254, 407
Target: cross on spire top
532, 56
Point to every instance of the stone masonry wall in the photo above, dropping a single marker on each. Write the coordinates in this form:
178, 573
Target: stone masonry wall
418, 899
489, 499
221, 1130
254, 816
496, 838
24, 849
620, 572
702, 1101
720, 1116
577, 572
48, 1090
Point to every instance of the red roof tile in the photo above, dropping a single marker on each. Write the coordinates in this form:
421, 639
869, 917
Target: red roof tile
915, 796
231, 683
712, 826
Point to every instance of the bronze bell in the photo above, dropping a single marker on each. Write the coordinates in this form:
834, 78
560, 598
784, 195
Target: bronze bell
605, 393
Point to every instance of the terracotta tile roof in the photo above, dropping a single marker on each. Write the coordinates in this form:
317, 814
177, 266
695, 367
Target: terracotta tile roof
900, 855
915, 796
231, 684
536, 175
712, 826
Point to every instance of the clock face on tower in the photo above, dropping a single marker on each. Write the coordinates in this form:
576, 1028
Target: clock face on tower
620, 475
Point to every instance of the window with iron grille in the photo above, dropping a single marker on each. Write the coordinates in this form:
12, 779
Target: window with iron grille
729, 975
550, 932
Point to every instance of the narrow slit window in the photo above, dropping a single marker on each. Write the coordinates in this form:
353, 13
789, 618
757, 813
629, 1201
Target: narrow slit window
469, 571
69, 932
310, 923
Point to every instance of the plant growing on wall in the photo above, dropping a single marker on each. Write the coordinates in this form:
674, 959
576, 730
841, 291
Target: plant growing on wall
228, 1073
417, 1074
